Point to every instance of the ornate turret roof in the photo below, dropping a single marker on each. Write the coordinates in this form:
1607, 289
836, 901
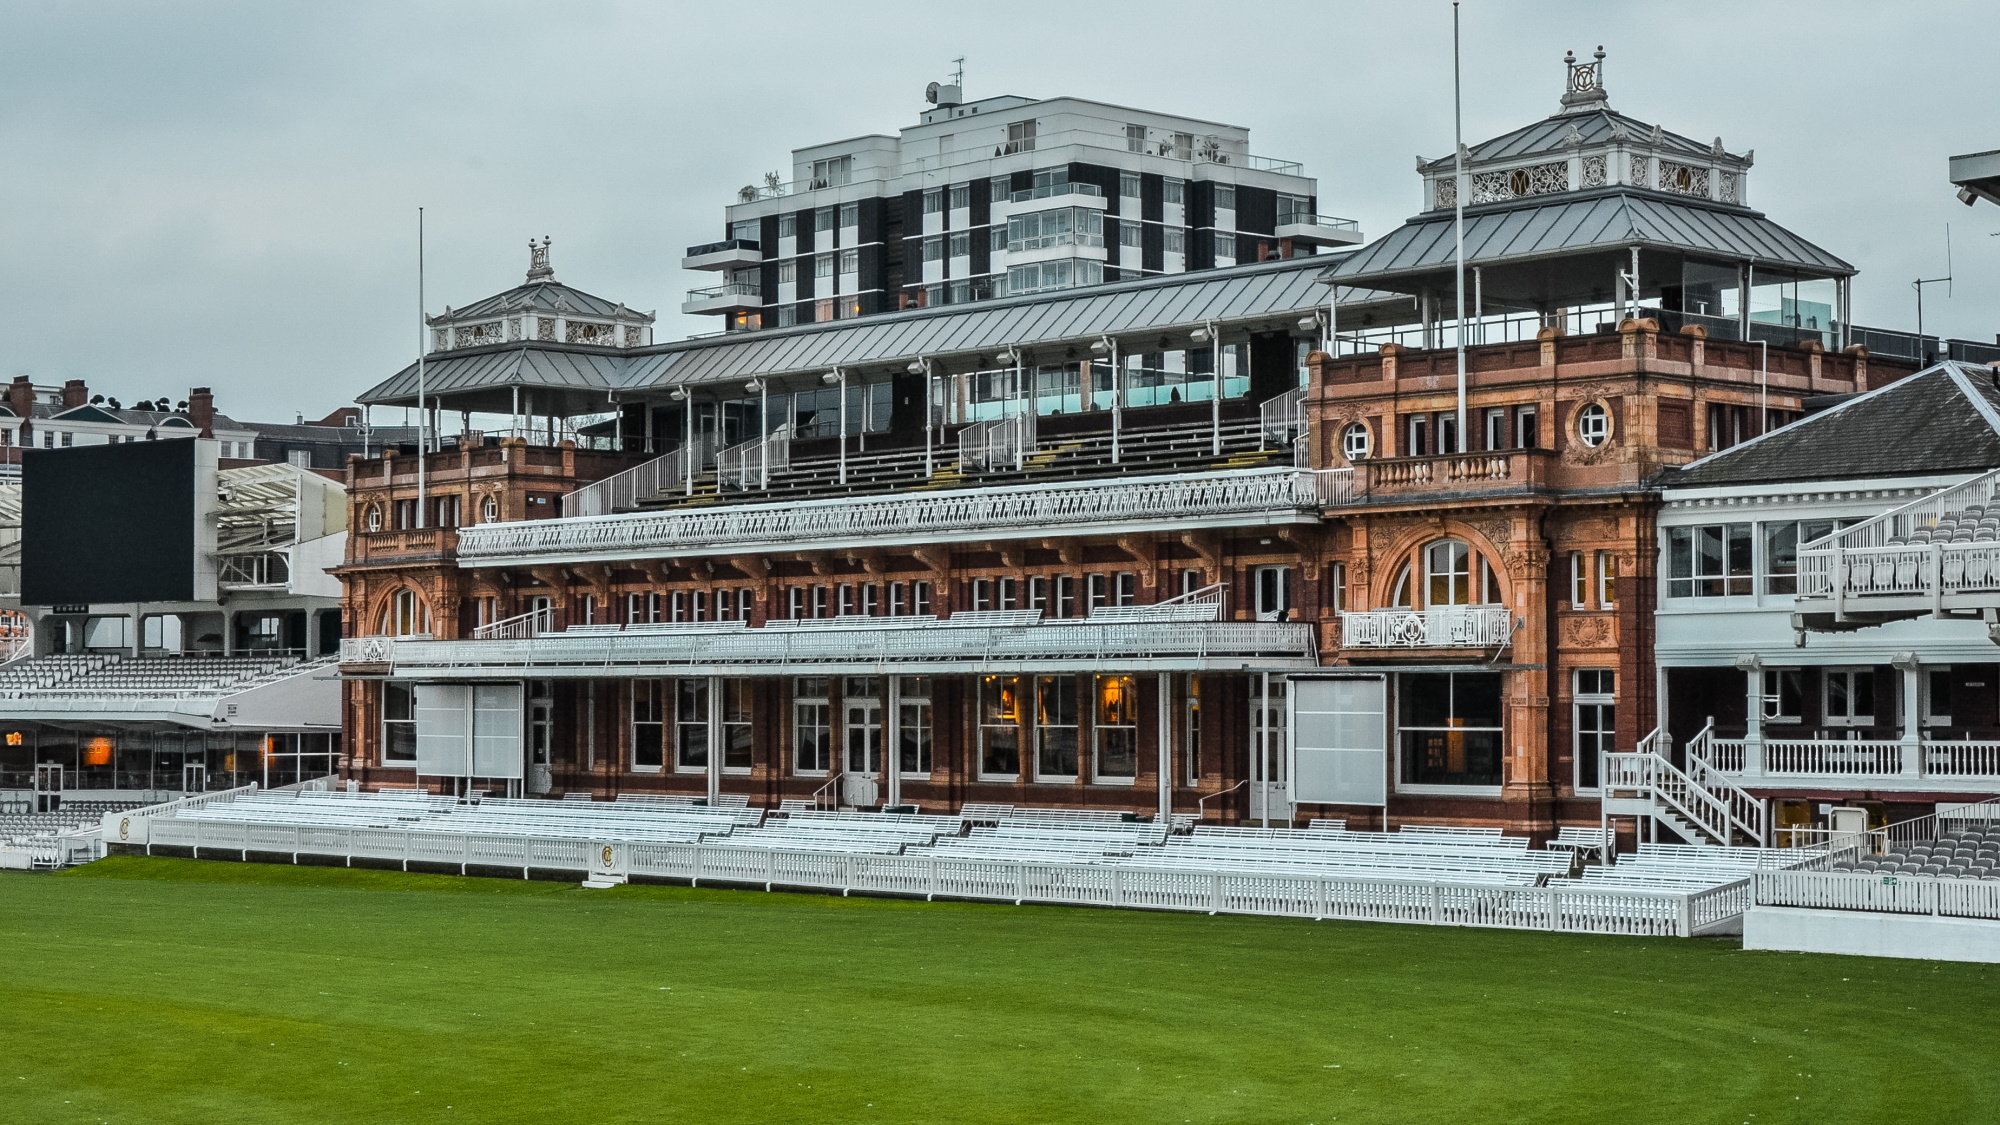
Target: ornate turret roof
560, 312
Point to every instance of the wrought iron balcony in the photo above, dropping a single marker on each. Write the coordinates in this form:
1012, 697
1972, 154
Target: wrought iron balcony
1455, 626
1242, 498
906, 645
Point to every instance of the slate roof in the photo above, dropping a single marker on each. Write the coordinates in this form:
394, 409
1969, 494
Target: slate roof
1943, 419
1281, 290
1580, 222
1595, 126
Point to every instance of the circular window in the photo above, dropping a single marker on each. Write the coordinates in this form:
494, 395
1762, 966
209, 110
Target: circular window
374, 518
489, 510
1354, 441
1593, 424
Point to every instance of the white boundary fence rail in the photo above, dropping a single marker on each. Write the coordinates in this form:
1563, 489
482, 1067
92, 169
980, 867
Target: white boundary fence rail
1567, 909
129, 826
1874, 891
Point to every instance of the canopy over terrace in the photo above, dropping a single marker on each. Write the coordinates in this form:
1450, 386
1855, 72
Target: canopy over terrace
1590, 209
1157, 313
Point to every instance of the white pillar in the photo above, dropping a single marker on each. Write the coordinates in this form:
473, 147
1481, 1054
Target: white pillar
1912, 700
892, 723
714, 738
1753, 725
1166, 747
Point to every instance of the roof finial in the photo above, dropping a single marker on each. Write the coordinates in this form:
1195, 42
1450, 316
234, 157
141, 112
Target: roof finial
1585, 90
538, 262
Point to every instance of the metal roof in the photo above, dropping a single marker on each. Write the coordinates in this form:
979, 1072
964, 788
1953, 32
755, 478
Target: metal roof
1280, 290
1577, 223
546, 296
1597, 126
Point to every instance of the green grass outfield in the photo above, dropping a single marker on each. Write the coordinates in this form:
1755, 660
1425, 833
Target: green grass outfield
159, 990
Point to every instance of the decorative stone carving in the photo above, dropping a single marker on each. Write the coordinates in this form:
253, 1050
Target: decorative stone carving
1593, 171
1595, 630
1642, 168
1535, 179
1731, 188
545, 328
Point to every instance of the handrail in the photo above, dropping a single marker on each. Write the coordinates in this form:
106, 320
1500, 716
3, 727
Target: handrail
623, 491
1283, 417
1201, 806
1895, 553
1714, 803
750, 464
519, 627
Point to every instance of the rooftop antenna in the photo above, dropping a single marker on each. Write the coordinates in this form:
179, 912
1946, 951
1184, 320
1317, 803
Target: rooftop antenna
1458, 222
1919, 284
958, 76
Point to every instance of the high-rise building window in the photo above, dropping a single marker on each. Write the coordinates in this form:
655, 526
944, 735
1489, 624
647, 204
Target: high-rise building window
961, 196
933, 248
823, 266
850, 214
934, 201
999, 187
996, 238
1225, 245
787, 272
1131, 233
833, 172
1175, 241
823, 219
1172, 191
788, 226
1225, 197
1128, 184
850, 261
961, 244
1135, 138
1021, 137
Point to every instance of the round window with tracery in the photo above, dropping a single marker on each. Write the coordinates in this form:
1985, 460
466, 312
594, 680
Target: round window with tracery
1354, 441
1593, 424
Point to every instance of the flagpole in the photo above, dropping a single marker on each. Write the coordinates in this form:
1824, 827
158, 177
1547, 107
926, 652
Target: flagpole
423, 419
1458, 221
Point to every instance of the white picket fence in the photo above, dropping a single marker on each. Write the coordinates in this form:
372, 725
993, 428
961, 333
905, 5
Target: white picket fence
1568, 909
1874, 891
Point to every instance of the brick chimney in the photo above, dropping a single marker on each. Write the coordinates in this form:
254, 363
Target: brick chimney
21, 400
201, 410
75, 394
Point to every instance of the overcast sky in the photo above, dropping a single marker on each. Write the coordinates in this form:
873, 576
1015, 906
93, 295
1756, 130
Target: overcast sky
225, 194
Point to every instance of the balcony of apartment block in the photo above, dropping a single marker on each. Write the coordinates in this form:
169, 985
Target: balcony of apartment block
1319, 230
730, 296
1937, 556
728, 253
1886, 760
1183, 635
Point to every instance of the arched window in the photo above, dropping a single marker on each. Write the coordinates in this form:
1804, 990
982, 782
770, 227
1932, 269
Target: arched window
489, 510
1593, 424
406, 615
373, 520
1448, 573
1354, 441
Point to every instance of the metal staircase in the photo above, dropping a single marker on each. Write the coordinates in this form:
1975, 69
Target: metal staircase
1698, 803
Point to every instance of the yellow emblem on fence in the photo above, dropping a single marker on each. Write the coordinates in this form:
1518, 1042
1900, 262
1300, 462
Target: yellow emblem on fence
607, 855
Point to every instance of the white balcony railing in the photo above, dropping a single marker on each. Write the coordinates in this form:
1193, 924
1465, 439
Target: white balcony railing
533, 623
1945, 545
750, 464
1466, 626
1876, 760
882, 641
1198, 499
1283, 418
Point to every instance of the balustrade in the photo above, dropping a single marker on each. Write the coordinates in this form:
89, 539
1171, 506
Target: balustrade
1456, 472
1438, 627
1252, 493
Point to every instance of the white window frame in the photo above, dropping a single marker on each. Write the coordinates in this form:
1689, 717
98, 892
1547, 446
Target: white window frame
1593, 424
1594, 699
382, 751
803, 699
1356, 441
1846, 675
1022, 746
913, 695
1773, 702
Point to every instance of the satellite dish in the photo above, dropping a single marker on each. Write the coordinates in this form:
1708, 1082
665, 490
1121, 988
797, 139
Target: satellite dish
931, 93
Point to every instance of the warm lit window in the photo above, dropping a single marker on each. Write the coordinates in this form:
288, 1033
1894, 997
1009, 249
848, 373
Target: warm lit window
1116, 728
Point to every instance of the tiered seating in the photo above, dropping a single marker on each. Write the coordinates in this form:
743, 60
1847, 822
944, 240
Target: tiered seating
1972, 854
1974, 523
1406, 855
1017, 842
491, 817
1688, 867
73, 675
